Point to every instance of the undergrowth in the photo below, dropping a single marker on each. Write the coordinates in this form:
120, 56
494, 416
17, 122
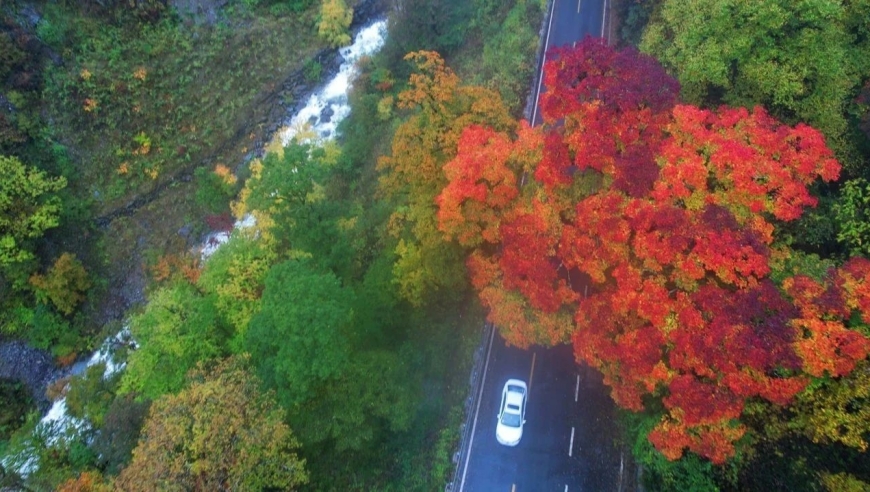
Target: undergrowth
142, 104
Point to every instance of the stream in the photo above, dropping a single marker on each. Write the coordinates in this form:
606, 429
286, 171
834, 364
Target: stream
322, 113
323, 110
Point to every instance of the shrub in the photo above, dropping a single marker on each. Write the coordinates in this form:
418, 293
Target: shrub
64, 284
90, 394
119, 433
15, 402
335, 19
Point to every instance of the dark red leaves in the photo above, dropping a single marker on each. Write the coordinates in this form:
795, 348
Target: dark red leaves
672, 225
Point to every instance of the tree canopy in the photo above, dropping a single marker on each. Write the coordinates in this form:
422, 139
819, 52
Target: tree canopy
218, 433
803, 61
178, 328
647, 239
29, 205
299, 339
412, 175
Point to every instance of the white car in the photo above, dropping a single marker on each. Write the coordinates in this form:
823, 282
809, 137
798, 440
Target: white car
512, 413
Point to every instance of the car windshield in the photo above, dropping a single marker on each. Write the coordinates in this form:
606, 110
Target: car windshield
510, 419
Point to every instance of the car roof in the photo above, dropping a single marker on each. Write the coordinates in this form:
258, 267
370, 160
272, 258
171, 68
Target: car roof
515, 391
514, 399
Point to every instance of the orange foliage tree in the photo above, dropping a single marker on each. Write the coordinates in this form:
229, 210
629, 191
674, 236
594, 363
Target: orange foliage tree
65, 283
412, 175
88, 481
646, 237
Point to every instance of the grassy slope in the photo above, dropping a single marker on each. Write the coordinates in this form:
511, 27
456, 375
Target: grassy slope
140, 107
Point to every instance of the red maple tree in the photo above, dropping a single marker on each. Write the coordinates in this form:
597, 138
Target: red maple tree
669, 211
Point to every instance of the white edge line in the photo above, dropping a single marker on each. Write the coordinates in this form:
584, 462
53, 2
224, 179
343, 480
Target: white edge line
566, 487
543, 61
603, 15
477, 410
571, 444
578, 5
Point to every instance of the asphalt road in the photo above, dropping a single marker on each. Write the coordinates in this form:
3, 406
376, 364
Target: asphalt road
570, 439
570, 22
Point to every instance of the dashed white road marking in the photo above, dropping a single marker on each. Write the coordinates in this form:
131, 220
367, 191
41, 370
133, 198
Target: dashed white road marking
571, 444
532, 372
577, 389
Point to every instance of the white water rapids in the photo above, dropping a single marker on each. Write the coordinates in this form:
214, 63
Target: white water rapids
332, 98
324, 110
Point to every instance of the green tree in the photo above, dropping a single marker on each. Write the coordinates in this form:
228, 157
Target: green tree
285, 185
375, 393
219, 433
29, 205
298, 190
15, 402
509, 53
11, 56
120, 430
798, 59
853, 216
299, 339
436, 25
178, 328
90, 394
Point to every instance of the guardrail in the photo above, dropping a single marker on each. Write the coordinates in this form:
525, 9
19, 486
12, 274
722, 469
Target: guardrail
542, 37
474, 381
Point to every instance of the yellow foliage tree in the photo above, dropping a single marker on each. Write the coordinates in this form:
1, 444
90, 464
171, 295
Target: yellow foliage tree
836, 411
335, 19
236, 274
843, 482
413, 175
220, 433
